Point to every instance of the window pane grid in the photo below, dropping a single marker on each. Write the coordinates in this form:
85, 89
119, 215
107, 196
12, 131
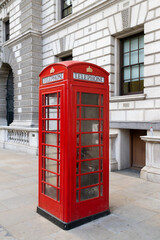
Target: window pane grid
133, 60
51, 141
89, 165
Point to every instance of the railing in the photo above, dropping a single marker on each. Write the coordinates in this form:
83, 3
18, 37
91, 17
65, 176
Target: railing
18, 136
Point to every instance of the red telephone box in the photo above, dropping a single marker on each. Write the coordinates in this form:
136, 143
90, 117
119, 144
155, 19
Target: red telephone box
73, 143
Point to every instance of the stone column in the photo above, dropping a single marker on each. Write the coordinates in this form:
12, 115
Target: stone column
113, 164
151, 171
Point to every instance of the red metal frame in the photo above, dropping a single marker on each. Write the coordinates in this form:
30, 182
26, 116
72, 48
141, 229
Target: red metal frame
67, 207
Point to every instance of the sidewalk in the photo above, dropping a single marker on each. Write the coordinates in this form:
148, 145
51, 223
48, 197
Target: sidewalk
134, 205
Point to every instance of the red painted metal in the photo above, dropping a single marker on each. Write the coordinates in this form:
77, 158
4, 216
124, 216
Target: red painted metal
73, 140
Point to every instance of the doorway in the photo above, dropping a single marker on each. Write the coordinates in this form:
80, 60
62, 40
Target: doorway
10, 99
137, 149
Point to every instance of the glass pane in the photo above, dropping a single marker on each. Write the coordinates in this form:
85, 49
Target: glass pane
51, 191
126, 59
127, 73
78, 153
89, 112
126, 45
101, 177
101, 164
77, 196
134, 43
101, 190
134, 85
141, 41
51, 178
101, 100
51, 138
89, 166
77, 181
101, 112
59, 98
78, 98
141, 71
89, 139
78, 126
89, 179
51, 112
51, 125
58, 196
134, 57
89, 193
89, 126
51, 165
126, 87
51, 152
135, 71
52, 99
89, 152
141, 55
78, 112
90, 99
78, 139
141, 85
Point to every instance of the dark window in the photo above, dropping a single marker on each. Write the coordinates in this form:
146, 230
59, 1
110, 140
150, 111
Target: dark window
132, 64
6, 30
66, 8
67, 58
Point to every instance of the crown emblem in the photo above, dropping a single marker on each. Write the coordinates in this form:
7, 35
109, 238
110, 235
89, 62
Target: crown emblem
52, 70
89, 69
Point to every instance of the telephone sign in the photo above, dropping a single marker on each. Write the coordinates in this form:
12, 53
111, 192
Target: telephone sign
73, 143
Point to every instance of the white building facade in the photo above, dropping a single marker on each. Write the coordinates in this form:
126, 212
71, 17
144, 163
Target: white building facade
123, 37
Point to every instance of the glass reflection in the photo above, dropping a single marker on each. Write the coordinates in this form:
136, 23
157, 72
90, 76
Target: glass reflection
89, 112
89, 139
89, 166
89, 193
51, 125
51, 165
51, 152
90, 99
89, 126
51, 138
51, 178
89, 152
89, 179
51, 191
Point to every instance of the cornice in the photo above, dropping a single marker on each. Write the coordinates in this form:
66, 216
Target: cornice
77, 16
3, 3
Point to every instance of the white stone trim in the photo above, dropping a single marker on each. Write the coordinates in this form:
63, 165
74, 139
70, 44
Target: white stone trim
127, 98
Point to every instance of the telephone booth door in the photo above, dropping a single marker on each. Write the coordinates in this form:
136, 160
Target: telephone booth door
50, 150
90, 151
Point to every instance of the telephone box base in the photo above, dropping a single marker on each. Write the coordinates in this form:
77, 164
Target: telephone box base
70, 225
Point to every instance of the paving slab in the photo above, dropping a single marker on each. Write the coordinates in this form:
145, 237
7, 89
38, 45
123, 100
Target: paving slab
134, 205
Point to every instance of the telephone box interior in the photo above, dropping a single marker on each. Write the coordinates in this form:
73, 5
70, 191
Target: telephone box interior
73, 143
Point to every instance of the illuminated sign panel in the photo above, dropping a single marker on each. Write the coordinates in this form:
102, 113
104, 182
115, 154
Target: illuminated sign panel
57, 77
87, 77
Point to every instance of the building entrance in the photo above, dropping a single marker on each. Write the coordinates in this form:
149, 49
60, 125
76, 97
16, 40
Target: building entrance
137, 149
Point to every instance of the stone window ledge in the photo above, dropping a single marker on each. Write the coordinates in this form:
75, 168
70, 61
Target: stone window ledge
153, 139
127, 98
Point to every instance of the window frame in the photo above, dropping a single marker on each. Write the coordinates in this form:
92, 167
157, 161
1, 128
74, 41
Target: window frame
6, 30
65, 8
122, 67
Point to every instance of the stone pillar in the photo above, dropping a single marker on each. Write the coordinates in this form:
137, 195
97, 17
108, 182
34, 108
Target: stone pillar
151, 171
113, 164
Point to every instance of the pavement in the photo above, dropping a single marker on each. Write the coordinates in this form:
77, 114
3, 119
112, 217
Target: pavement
134, 205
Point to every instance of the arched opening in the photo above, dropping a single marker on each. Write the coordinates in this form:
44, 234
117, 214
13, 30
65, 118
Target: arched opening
6, 95
10, 99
